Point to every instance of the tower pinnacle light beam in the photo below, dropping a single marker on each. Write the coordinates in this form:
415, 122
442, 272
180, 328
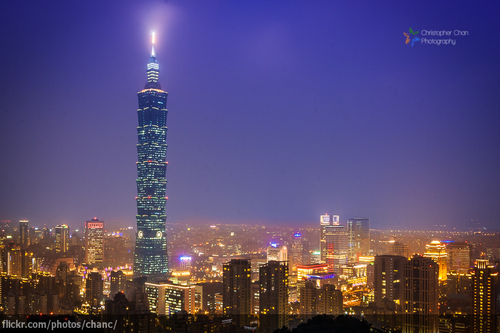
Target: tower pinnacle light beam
150, 257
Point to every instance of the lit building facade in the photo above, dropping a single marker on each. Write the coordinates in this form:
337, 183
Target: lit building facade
237, 289
296, 252
459, 257
420, 295
94, 241
277, 253
484, 294
324, 221
314, 301
167, 298
388, 281
273, 296
24, 238
337, 247
358, 230
437, 252
62, 238
150, 256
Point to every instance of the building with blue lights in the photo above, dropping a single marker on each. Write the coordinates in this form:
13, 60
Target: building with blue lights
150, 257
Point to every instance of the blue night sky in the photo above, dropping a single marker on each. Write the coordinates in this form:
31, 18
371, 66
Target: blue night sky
279, 111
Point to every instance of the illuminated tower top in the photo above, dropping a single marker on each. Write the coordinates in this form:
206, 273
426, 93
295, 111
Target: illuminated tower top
153, 68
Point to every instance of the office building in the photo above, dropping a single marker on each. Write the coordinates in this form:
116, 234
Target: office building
94, 287
399, 249
277, 253
237, 288
388, 281
484, 297
297, 249
317, 301
24, 237
116, 283
337, 247
94, 241
324, 221
167, 298
273, 301
358, 230
437, 252
150, 256
420, 295
459, 257
62, 238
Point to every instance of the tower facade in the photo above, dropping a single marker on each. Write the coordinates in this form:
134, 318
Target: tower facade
484, 293
94, 241
437, 252
150, 257
337, 239
420, 295
324, 221
62, 238
358, 230
273, 296
237, 288
388, 281
24, 237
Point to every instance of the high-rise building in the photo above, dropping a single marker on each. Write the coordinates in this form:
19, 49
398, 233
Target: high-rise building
24, 237
324, 221
388, 281
437, 252
484, 297
116, 283
94, 241
94, 289
399, 249
62, 238
337, 247
459, 257
358, 230
166, 298
273, 298
297, 249
150, 256
237, 288
420, 295
317, 301
277, 253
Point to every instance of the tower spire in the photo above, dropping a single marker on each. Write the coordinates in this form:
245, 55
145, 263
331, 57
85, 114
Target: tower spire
153, 44
153, 70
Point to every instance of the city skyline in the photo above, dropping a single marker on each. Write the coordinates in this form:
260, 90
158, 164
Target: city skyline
281, 112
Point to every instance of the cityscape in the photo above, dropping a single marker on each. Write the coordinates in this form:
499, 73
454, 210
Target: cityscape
387, 224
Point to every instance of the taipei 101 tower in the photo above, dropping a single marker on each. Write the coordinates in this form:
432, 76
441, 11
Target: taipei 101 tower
150, 257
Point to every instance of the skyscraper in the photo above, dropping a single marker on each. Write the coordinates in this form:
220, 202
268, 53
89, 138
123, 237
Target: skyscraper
296, 252
459, 257
277, 253
358, 230
150, 257
420, 295
336, 238
237, 288
389, 281
437, 251
62, 238
94, 241
484, 294
324, 221
24, 238
273, 296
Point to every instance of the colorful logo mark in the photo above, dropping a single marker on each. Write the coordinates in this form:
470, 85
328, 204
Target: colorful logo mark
415, 38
